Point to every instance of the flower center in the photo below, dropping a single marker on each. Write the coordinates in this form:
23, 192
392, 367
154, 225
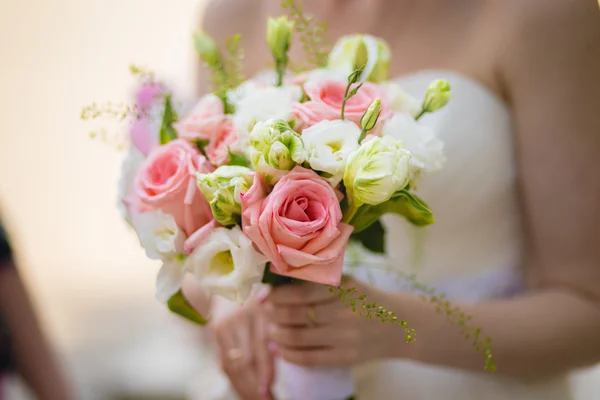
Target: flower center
335, 146
163, 169
221, 263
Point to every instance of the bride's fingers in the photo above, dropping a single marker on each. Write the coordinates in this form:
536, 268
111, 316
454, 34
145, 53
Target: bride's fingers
305, 315
323, 357
299, 294
303, 337
265, 359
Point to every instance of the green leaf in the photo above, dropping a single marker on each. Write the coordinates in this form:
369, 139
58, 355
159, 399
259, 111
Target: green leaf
355, 90
236, 159
167, 131
372, 237
179, 305
201, 145
403, 202
274, 279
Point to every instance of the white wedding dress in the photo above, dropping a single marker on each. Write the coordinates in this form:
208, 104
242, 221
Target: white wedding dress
471, 253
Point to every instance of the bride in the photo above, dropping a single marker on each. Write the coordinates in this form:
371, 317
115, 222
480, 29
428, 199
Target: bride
515, 244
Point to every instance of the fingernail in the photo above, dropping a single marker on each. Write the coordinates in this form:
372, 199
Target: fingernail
272, 347
261, 297
262, 390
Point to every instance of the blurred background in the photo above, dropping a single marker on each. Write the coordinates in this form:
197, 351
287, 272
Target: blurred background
90, 281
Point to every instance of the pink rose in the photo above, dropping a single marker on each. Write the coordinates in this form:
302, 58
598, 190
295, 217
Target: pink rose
167, 181
297, 226
204, 121
224, 138
326, 97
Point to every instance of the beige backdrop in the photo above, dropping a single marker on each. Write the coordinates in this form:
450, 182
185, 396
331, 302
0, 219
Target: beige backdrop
91, 282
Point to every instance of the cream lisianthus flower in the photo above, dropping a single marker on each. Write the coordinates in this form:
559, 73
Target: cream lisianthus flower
131, 165
159, 235
328, 144
170, 278
400, 101
426, 150
374, 172
275, 149
162, 239
222, 189
226, 263
259, 104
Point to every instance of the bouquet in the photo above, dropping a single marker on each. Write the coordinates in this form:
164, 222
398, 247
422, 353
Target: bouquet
268, 179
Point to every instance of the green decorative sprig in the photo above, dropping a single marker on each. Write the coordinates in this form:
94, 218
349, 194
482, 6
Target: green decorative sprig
226, 71
144, 75
455, 316
311, 34
365, 308
234, 62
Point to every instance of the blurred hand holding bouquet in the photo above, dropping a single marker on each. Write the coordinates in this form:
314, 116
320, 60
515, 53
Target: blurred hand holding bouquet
268, 181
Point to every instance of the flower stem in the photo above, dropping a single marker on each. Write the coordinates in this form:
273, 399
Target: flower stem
420, 114
345, 98
363, 133
350, 213
280, 68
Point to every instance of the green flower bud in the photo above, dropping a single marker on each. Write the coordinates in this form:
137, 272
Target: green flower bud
437, 95
279, 36
222, 189
207, 49
369, 118
362, 51
377, 170
274, 149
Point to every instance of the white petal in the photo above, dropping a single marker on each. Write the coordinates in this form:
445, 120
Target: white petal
169, 280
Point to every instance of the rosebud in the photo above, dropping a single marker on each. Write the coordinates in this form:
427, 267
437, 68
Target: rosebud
279, 36
437, 95
377, 170
357, 51
275, 149
369, 118
222, 189
207, 49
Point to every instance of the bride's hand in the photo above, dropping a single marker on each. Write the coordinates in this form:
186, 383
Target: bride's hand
244, 353
311, 327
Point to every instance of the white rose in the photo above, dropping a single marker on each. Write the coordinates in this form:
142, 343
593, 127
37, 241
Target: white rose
427, 151
328, 144
263, 103
227, 264
129, 169
400, 101
159, 235
377, 170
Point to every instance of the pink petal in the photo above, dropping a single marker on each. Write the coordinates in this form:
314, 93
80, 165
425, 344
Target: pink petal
198, 237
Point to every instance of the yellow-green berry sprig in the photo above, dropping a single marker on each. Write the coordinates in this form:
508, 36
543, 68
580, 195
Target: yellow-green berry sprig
456, 317
364, 308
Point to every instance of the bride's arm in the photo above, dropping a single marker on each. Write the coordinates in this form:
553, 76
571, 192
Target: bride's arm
554, 84
551, 72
